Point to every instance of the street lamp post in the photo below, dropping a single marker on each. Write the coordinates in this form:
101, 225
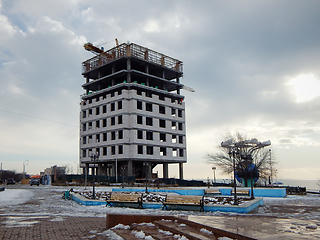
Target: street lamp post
252, 182
94, 158
232, 154
214, 175
271, 181
24, 168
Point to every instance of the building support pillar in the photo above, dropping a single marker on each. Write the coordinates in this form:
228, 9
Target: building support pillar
165, 170
130, 174
180, 170
100, 169
149, 170
86, 169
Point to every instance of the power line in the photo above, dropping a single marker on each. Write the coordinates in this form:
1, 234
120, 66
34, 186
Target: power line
43, 119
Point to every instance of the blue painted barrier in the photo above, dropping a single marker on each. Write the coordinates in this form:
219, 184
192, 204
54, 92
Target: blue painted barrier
258, 192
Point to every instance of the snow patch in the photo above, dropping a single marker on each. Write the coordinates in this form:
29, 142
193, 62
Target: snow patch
121, 226
206, 231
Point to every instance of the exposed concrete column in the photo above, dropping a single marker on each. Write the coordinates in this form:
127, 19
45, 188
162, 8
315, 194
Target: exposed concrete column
130, 174
149, 170
99, 169
129, 70
86, 169
165, 170
178, 81
180, 170
113, 171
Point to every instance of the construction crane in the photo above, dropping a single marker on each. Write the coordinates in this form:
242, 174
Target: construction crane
91, 48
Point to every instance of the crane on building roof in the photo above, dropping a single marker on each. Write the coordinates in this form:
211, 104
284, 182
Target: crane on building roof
96, 50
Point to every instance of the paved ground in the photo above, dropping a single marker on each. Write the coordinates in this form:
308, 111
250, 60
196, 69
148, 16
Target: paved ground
46, 227
47, 216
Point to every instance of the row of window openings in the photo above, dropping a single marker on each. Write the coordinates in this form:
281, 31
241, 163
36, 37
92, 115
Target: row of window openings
89, 101
104, 123
140, 148
163, 151
161, 96
162, 123
149, 108
104, 151
104, 109
162, 109
104, 137
162, 137
149, 136
139, 92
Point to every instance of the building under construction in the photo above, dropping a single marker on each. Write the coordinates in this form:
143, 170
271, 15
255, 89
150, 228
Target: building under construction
132, 114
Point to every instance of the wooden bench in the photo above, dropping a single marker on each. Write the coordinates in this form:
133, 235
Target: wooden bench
211, 192
117, 197
241, 192
183, 200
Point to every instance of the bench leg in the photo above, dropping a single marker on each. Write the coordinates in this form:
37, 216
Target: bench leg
164, 207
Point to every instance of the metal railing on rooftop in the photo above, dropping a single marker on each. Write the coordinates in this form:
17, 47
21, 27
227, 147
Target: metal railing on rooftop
131, 50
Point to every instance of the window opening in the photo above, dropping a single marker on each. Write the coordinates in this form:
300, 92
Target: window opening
104, 151
139, 119
174, 152
149, 107
120, 149
162, 110
149, 150
174, 138
149, 135
139, 105
140, 149
105, 138
173, 112
149, 121
120, 134
162, 137
119, 119
140, 134
180, 152
113, 150
163, 151
162, 123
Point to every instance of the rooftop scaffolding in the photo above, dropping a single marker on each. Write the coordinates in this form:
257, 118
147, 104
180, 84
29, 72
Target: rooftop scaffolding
131, 50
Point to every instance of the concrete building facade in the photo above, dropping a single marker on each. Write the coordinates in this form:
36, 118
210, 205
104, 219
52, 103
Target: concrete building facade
132, 114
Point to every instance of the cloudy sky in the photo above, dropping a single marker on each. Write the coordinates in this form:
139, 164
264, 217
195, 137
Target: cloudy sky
253, 64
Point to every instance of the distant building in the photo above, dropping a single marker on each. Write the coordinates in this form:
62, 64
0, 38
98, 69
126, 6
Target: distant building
132, 113
55, 171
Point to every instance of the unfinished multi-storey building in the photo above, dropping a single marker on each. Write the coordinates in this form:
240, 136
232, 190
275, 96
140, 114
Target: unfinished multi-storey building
132, 113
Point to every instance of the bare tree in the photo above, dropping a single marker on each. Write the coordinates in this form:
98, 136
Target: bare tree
252, 159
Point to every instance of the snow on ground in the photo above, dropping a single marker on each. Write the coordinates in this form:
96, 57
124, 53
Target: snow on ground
14, 197
48, 201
